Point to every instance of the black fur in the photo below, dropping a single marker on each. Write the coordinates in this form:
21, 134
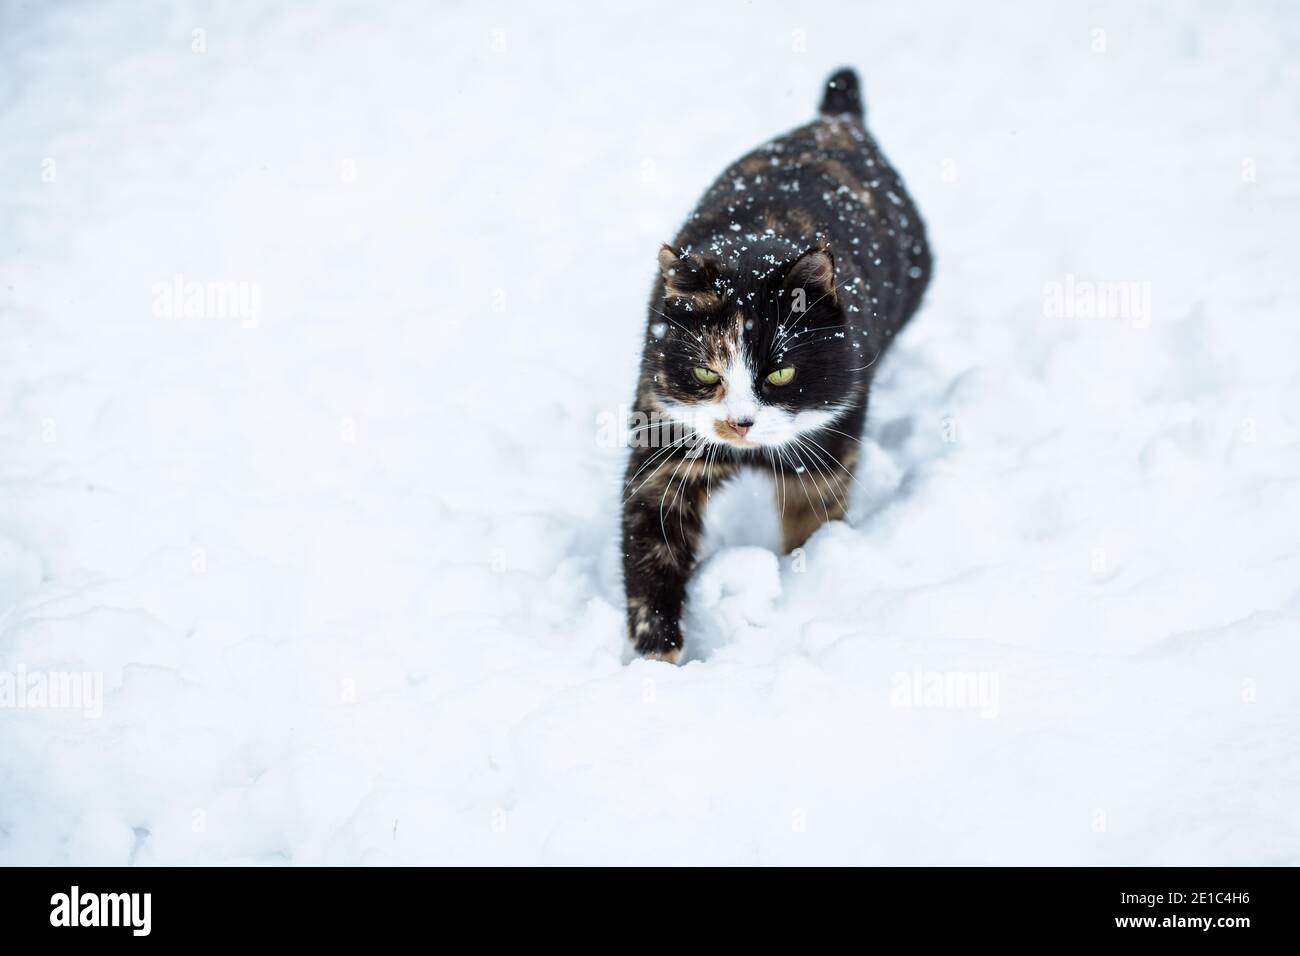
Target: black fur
842, 95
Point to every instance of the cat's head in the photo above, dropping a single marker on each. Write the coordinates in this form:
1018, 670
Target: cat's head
754, 351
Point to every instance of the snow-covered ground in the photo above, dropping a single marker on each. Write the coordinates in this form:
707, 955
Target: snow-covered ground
344, 553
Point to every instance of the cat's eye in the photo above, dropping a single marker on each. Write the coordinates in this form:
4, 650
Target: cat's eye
782, 376
706, 376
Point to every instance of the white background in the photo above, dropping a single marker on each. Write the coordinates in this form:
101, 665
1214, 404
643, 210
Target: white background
351, 572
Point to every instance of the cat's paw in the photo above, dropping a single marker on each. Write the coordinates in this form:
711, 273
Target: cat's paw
652, 637
672, 656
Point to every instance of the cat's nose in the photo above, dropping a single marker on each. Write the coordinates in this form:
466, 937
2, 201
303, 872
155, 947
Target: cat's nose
741, 426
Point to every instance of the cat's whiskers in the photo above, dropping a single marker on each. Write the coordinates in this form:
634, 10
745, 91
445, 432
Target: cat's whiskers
681, 486
708, 472
777, 483
799, 474
826, 511
646, 428
786, 465
664, 315
692, 341
826, 475
820, 328
839, 464
663, 530
672, 444
827, 428
806, 310
663, 453
787, 349
879, 352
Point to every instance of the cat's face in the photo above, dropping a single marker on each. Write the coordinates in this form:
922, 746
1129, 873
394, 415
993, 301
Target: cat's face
753, 354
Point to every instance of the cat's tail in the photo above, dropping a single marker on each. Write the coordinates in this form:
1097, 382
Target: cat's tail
843, 94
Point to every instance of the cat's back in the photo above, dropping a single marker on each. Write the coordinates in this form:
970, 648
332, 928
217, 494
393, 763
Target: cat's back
825, 180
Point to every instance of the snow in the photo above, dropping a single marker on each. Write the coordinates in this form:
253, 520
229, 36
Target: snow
347, 561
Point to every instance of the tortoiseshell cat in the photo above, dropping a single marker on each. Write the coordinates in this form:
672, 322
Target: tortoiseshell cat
767, 322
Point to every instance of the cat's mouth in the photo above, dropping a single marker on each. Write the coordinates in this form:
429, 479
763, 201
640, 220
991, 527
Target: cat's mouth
734, 435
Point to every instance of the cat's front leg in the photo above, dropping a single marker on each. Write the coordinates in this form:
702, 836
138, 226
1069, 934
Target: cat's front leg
663, 514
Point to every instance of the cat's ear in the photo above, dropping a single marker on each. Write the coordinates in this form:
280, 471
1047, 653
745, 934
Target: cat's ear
689, 278
814, 272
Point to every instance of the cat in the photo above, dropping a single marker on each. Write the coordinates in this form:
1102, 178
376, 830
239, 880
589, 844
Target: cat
768, 318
